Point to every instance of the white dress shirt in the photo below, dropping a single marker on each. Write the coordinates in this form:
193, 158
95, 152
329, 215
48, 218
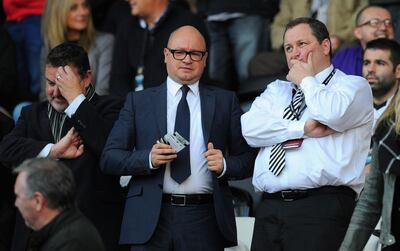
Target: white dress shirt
344, 104
200, 180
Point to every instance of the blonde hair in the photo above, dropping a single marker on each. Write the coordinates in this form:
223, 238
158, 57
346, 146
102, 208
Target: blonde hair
391, 112
54, 25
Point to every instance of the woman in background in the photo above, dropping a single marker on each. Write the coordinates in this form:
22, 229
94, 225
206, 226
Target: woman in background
71, 20
381, 194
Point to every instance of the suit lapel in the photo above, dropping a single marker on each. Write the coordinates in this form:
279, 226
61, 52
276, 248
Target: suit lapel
45, 124
160, 107
207, 100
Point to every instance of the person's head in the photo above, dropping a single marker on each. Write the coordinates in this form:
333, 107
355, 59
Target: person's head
43, 188
185, 55
149, 10
62, 55
373, 22
303, 36
68, 20
381, 67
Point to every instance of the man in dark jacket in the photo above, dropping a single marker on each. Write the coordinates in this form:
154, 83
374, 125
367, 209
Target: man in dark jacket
72, 126
179, 200
138, 60
45, 191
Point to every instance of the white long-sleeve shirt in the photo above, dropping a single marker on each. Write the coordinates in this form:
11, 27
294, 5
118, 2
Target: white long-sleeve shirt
344, 104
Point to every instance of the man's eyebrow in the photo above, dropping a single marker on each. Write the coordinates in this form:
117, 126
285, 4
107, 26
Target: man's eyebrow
47, 79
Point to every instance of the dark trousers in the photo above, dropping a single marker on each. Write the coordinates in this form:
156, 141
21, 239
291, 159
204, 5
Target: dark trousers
185, 228
317, 222
26, 35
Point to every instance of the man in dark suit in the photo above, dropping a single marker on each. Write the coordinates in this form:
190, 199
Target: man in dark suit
72, 126
179, 200
140, 39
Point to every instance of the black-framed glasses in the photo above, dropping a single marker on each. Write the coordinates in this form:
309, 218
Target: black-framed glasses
377, 22
181, 54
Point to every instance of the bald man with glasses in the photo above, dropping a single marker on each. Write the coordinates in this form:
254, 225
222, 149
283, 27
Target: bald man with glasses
179, 199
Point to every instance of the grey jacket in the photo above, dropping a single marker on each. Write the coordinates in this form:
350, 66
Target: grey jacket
100, 58
375, 200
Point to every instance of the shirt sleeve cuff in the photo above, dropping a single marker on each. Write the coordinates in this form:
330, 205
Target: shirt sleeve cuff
71, 109
223, 170
308, 83
150, 164
45, 151
296, 129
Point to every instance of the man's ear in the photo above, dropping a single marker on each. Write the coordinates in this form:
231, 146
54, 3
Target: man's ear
326, 45
88, 79
39, 201
205, 59
166, 51
397, 72
357, 33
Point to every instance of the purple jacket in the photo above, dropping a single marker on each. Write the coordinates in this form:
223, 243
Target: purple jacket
349, 60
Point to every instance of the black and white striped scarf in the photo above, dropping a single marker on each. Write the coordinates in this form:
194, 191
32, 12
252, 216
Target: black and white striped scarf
57, 119
388, 147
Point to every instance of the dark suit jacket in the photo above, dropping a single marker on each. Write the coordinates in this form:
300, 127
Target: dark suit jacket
7, 209
142, 121
98, 195
69, 231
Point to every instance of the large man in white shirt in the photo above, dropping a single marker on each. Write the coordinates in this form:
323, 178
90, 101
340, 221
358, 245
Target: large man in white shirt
309, 185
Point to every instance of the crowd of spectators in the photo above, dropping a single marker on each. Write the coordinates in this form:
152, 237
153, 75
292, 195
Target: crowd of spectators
125, 41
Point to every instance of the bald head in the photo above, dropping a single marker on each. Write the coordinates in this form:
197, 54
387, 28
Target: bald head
365, 13
188, 33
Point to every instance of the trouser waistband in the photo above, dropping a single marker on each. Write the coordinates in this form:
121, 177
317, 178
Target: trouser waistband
295, 194
187, 199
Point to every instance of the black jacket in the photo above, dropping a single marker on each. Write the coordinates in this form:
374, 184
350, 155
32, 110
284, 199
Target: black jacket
69, 231
7, 209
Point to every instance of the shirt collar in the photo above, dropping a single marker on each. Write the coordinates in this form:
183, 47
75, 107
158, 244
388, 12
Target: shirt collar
174, 87
322, 75
143, 24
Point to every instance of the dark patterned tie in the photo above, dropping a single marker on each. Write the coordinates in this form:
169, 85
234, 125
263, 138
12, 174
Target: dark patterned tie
180, 167
292, 112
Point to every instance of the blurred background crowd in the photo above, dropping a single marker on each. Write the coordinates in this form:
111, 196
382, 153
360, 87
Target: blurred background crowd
125, 43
